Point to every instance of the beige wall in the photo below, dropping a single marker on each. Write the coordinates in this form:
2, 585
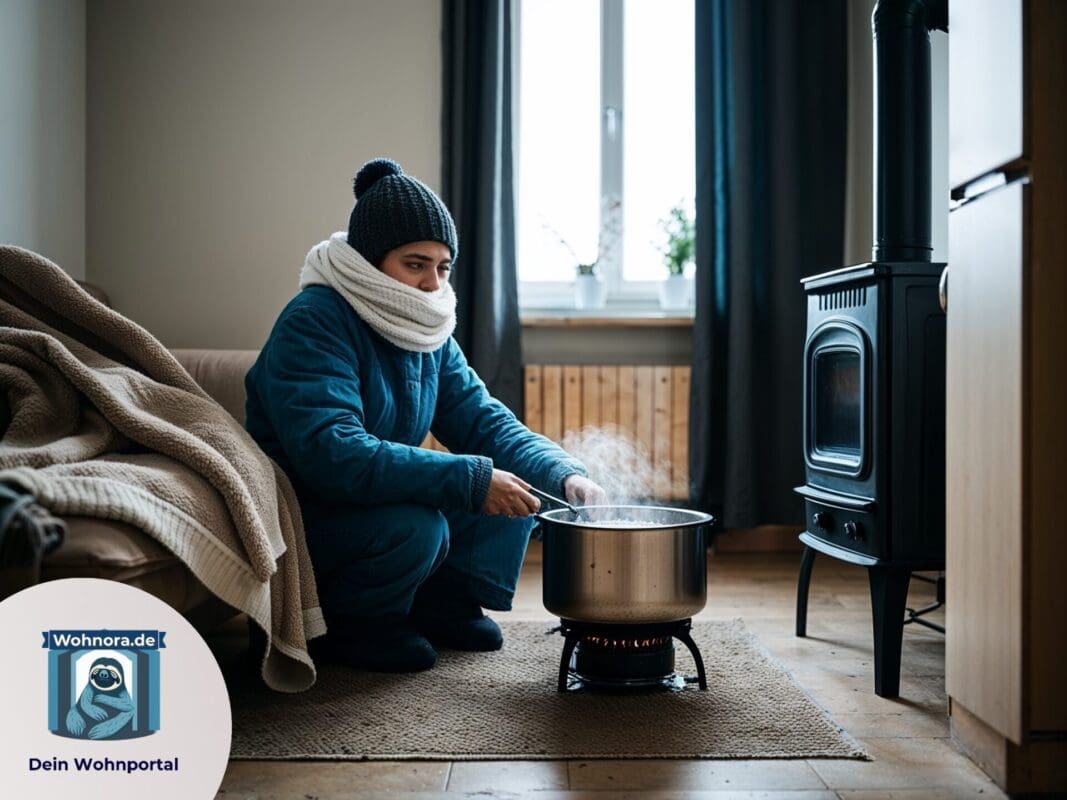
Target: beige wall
222, 140
222, 137
42, 129
939, 187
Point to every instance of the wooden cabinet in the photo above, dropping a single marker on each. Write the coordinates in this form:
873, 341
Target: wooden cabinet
1006, 398
986, 127
984, 459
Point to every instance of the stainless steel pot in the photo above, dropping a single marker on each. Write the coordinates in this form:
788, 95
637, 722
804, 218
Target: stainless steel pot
598, 572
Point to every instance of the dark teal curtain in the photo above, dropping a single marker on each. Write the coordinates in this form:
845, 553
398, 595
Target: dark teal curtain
771, 140
479, 190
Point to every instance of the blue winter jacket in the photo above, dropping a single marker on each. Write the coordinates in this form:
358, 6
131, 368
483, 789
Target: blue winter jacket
343, 412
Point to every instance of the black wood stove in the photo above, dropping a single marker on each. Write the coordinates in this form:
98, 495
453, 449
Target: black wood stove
874, 374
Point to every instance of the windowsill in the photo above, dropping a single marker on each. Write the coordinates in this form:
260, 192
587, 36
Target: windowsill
619, 317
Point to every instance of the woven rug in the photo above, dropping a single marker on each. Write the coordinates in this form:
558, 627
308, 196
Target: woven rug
504, 705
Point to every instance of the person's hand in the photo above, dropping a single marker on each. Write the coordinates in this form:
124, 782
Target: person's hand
509, 496
581, 491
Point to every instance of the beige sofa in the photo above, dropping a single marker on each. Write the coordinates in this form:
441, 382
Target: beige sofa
96, 548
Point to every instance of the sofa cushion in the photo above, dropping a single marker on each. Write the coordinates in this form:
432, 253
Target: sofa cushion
98, 548
221, 373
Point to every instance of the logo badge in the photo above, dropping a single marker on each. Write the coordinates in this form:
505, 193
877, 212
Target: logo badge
103, 684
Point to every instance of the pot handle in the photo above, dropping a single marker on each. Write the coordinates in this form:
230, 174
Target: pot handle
553, 499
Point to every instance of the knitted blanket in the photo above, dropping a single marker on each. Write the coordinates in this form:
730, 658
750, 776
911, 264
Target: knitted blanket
104, 422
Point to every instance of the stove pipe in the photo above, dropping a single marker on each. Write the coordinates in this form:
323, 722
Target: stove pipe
902, 126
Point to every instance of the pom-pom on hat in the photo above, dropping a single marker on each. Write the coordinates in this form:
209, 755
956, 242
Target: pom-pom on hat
393, 209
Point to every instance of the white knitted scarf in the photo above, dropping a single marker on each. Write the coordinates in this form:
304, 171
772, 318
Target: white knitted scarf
408, 317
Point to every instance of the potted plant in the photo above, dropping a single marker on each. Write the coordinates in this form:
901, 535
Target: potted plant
590, 290
678, 250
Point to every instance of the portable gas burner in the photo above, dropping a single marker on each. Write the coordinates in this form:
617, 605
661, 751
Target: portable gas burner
616, 657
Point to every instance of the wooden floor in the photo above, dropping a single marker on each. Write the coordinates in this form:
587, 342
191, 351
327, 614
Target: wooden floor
913, 758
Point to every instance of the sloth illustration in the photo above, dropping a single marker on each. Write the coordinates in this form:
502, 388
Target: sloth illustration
104, 700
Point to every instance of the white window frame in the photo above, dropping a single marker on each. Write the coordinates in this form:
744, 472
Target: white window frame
621, 293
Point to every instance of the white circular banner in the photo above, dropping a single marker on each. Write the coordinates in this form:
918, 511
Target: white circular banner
109, 692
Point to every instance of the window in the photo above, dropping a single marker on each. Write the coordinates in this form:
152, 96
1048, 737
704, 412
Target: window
605, 142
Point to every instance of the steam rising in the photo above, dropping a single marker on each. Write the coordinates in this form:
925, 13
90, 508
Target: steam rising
621, 465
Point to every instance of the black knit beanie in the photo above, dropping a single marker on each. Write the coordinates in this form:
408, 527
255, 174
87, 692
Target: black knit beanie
393, 209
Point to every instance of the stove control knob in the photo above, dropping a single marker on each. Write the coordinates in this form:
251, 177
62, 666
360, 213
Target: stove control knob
822, 521
853, 529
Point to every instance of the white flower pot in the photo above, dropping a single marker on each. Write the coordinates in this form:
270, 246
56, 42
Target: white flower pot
676, 292
589, 291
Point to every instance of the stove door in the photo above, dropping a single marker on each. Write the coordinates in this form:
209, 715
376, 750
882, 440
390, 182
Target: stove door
837, 402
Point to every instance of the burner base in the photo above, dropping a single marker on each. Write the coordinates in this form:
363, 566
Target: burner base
669, 683
625, 658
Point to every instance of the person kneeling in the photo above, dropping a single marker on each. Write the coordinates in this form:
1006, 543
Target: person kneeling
408, 545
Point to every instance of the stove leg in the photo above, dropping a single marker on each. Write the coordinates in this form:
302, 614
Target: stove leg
687, 640
807, 561
565, 662
889, 596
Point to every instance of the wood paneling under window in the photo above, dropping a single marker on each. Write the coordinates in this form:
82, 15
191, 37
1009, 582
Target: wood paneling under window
647, 405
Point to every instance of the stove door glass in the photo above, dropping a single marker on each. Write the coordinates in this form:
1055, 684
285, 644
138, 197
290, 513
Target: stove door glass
837, 403
835, 432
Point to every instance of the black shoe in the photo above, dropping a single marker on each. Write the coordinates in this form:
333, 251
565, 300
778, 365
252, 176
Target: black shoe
449, 619
479, 633
376, 644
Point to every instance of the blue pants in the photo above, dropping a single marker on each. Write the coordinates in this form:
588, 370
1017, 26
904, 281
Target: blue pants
369, 561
